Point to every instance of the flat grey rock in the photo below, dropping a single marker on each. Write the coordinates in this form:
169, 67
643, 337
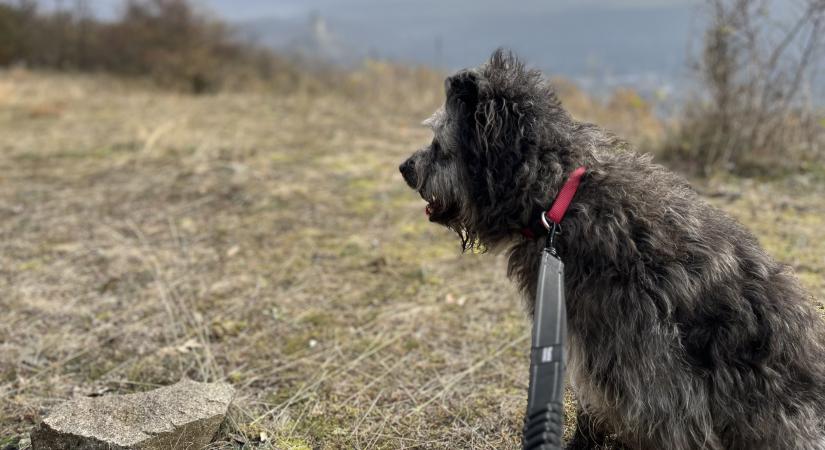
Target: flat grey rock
185, 415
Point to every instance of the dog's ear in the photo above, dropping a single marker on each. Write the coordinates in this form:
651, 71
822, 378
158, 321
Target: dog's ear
463, 92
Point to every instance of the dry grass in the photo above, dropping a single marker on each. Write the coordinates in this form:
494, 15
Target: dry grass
269, 242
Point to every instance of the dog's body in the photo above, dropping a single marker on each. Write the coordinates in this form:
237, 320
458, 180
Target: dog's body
683, 332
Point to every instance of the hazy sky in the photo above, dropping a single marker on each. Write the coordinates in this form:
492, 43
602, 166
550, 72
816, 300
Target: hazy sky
286, 8
256, 9
247, 9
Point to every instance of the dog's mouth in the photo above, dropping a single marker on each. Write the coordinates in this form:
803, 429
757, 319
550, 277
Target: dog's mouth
432, 209
432, 203
437, 210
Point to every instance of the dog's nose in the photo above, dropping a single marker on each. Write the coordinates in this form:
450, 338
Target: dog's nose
408, 172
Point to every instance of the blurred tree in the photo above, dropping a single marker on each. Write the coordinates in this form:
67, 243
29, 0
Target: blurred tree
169, 41
15, 23
754, 66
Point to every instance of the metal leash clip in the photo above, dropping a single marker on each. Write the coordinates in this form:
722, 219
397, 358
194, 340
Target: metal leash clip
553, 229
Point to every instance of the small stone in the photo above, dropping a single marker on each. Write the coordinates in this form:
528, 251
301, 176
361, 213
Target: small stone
185, 415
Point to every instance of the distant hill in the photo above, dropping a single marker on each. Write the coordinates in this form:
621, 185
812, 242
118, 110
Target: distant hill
595, 44
310, 37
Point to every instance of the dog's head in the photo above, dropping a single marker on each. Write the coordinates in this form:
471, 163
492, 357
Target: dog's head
485, 164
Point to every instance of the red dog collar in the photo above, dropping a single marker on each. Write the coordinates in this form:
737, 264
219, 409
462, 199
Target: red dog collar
559, 207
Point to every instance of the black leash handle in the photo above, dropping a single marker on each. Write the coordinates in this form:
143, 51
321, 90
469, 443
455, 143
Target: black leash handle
543, 430
543, 423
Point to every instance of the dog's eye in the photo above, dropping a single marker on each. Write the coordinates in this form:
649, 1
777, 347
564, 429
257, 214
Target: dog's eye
438, 152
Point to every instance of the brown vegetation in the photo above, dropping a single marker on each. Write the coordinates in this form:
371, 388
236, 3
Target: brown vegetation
758, 71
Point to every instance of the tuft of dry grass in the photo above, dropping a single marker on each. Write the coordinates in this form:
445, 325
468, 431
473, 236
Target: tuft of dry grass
268, 241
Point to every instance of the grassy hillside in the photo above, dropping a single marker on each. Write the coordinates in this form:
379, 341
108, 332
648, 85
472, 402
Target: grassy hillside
269, 241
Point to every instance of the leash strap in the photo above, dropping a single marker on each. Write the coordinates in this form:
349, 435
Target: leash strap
545, 397
543, 423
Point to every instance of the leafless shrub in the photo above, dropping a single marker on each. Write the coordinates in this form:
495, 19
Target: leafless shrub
758, 70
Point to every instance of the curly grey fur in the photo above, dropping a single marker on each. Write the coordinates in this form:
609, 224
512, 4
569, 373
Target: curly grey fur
683, 332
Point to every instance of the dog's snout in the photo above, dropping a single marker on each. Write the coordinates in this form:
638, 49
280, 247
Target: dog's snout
407, 169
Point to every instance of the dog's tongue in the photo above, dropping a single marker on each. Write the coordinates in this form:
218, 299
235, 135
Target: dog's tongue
428, 210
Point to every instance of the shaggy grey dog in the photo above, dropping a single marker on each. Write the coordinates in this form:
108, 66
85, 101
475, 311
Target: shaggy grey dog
683, 332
